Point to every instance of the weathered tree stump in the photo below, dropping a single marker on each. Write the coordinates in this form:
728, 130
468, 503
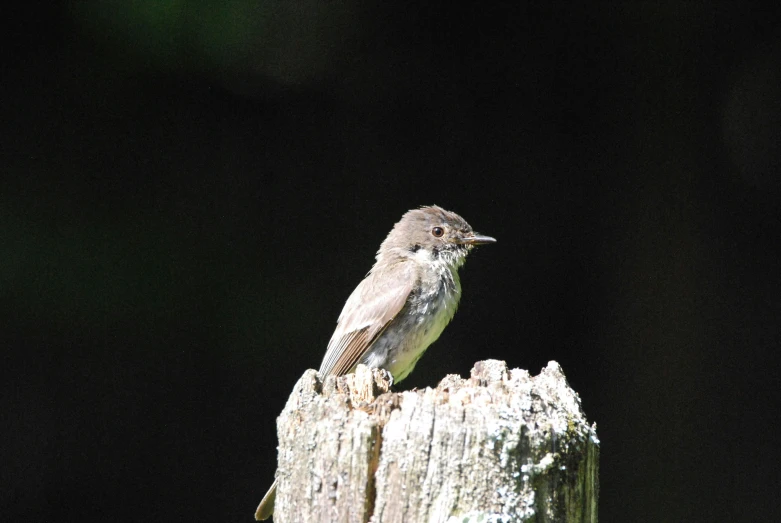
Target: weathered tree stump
501, 446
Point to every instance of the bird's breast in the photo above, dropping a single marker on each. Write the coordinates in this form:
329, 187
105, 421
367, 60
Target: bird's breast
427, 312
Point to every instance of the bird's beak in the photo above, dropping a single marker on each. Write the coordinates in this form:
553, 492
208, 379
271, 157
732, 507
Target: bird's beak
477, 239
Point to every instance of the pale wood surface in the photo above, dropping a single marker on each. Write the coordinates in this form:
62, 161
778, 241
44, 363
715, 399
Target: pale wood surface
498, 446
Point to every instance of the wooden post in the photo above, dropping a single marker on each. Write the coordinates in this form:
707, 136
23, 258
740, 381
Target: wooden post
501, 446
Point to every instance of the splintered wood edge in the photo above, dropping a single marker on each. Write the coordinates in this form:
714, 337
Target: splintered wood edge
366, 386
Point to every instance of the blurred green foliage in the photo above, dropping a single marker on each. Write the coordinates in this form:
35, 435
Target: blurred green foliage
291, 42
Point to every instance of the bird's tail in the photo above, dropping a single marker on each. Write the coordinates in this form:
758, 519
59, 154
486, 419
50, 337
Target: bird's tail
266, 507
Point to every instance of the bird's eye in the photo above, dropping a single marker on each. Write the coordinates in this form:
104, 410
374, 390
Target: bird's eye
438, 232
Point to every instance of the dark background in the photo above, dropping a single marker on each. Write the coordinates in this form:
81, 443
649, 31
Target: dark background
192, 189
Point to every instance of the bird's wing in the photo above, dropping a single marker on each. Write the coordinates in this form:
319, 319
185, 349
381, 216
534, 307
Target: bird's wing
369, 310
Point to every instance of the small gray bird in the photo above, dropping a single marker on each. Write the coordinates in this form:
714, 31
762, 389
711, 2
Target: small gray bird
403, 304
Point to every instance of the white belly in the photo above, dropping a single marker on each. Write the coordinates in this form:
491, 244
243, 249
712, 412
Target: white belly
421, 322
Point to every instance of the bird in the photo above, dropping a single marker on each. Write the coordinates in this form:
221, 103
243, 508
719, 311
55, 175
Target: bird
403, 304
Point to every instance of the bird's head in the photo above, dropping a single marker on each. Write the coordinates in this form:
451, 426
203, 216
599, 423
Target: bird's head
432, 233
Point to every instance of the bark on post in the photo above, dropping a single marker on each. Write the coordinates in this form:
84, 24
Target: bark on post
501, 446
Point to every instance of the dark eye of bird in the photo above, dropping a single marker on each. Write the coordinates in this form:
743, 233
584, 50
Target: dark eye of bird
438, 231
